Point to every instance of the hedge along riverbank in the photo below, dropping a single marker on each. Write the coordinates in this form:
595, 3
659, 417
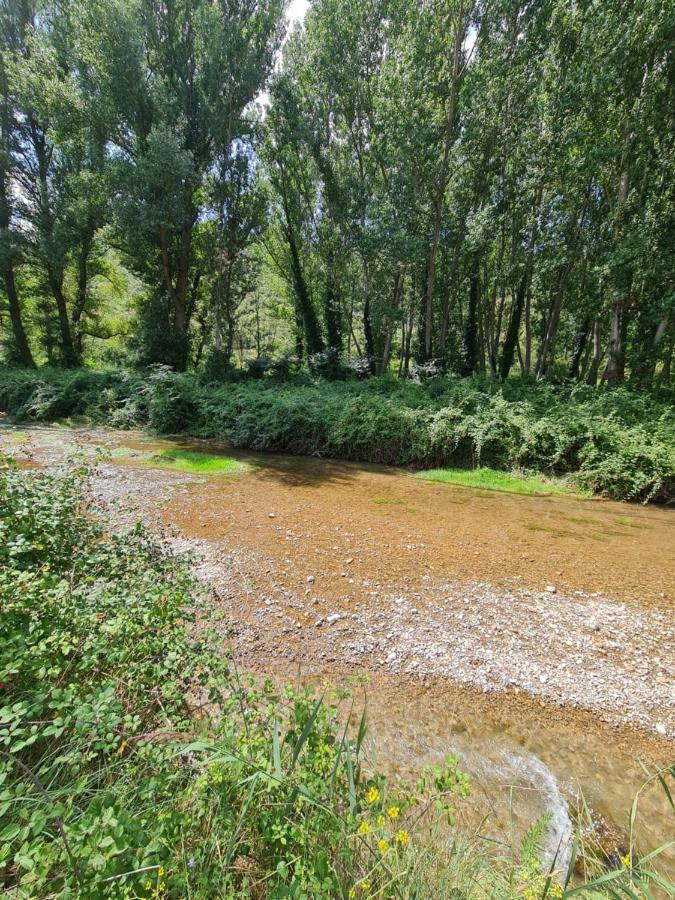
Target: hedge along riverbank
618, 443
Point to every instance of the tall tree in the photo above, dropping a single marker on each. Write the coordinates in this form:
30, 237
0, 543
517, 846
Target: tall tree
10, 28
181, 75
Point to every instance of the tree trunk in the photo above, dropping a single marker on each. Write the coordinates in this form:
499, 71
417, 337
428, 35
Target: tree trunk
521, 361
332, 307
306, 309
409, 332
592, 377
470, 336
615, 369
498, 331
643, 367
22, 348
527, 362
401, 352
447, 297
513, 330
304, 306
442, 182
386, 351
52, 256
368, 335
664, 377
80, 304
70, 356
580, 339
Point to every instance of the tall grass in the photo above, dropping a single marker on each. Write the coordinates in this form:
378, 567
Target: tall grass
493, 480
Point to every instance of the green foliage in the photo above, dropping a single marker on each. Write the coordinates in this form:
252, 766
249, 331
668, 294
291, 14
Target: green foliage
408, 202
492, 480
617, 443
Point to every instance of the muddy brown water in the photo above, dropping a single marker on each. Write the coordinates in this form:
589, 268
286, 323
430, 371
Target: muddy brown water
345, 522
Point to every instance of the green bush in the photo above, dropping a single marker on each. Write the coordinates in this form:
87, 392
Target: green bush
618, 443
375, 429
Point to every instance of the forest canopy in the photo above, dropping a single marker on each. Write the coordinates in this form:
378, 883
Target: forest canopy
389, 187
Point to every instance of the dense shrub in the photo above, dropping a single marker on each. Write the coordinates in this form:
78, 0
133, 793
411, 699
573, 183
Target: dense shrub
374, 429
615, 442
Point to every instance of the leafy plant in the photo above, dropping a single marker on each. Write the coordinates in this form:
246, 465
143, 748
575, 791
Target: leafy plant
616, 443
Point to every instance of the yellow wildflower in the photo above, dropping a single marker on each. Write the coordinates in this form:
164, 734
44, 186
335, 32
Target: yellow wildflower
402, 837
351, 894
393, 812
365, 886
364, 827
626, 861
373, 795
382, 846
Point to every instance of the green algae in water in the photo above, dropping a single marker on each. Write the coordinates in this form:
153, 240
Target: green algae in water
197, 463
494, 480
629, 523
191, 461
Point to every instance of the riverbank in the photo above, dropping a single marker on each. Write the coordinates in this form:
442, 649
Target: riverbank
614, 443
167, 773
568, 600
329, 571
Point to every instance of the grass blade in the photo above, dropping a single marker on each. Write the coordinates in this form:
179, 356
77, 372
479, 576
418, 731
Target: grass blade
351, 782
306, 731
276, 750
573, 860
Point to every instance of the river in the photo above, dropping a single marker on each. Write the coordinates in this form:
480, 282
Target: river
532, 636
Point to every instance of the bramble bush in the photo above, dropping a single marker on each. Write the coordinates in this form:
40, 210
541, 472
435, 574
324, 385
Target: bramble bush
618, 443
136, 762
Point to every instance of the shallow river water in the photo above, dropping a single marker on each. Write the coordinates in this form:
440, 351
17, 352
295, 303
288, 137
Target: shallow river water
532, 636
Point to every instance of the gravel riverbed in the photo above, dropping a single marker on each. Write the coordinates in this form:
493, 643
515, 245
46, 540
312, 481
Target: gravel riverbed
575, 649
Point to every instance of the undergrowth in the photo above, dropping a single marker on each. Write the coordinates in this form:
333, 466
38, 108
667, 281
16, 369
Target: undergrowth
618, 443
136, 762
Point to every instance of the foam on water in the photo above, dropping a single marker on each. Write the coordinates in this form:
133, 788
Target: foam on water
530, 770
527, 790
